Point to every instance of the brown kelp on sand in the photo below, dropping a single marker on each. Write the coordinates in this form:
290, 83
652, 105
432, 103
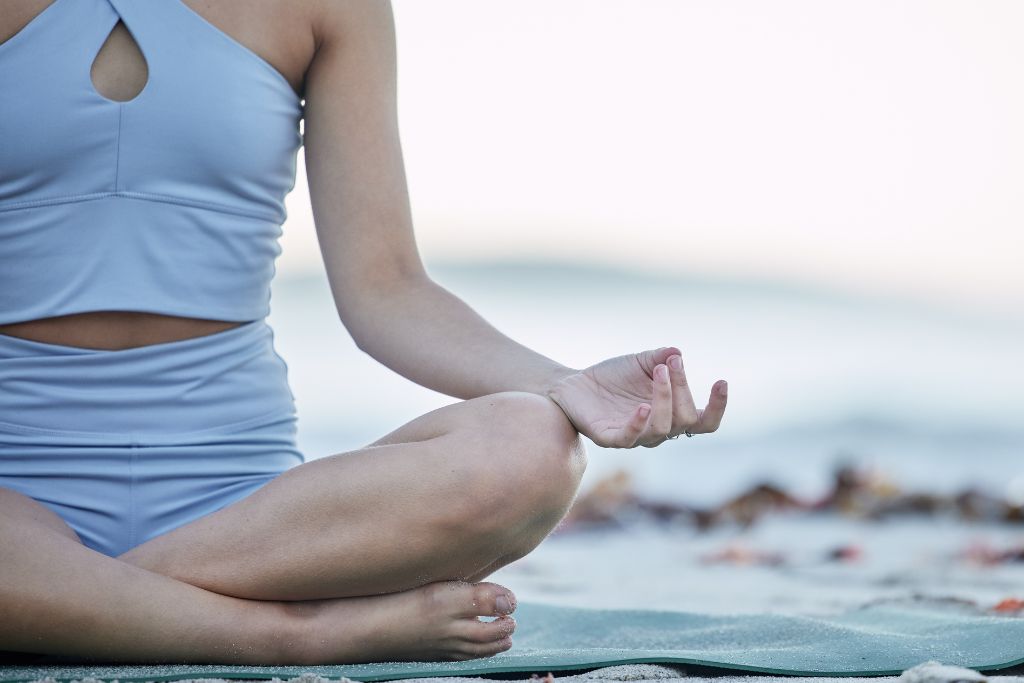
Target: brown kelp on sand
614, 502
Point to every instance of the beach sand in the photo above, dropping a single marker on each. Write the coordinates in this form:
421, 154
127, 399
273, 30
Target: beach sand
818, 565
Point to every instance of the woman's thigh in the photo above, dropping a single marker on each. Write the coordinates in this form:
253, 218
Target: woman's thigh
22, 510
459, 490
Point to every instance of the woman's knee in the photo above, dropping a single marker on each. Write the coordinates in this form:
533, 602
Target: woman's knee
530, 461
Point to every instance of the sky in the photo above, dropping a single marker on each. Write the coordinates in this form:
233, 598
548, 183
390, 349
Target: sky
870, 146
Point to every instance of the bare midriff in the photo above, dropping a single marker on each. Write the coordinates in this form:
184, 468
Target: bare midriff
114, 330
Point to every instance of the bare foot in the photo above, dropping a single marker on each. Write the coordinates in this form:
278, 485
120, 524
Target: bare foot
438, 621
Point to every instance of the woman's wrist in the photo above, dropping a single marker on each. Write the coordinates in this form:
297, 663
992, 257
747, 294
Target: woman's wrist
554, 380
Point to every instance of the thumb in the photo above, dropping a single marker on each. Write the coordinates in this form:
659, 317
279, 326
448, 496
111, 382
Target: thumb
654, 357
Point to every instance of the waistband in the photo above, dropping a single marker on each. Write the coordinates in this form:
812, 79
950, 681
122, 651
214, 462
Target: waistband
160, 393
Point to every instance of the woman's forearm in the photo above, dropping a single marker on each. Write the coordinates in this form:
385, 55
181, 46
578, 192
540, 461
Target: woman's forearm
432, 337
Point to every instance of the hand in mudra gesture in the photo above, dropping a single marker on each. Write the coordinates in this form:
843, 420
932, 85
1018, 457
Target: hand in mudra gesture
637, 399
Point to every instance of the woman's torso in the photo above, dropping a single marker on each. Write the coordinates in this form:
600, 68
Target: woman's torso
280, 31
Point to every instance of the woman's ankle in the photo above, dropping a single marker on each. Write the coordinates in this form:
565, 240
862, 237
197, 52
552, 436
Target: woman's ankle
282, 632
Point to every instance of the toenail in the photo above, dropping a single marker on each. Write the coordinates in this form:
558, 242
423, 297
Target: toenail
503, 604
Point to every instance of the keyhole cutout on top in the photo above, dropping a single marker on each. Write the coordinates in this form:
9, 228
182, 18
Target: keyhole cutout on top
119, 72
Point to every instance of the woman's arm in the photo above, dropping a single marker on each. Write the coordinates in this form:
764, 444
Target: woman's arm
360, 201
385, 298
424, 332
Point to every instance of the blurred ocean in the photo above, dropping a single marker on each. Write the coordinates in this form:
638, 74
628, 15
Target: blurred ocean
932, 398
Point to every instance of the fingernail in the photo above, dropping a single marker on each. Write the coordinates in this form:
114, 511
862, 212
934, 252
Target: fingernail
662, 372
676, 363
644, 409
504, 606
724, 389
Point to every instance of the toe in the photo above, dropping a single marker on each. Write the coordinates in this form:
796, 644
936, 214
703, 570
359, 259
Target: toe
483, 599
491, 600
478, 650
477, 631
463, 599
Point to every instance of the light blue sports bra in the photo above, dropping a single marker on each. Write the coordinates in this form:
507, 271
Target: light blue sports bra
169, 203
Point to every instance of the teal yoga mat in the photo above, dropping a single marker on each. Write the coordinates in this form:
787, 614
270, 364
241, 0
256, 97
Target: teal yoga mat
883, 639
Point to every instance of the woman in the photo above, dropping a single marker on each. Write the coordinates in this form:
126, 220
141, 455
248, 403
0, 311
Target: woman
153, 506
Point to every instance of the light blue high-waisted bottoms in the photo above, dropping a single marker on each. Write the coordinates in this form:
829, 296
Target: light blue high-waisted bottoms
129, 444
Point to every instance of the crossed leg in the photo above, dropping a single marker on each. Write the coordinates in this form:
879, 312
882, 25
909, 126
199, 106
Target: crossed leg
378, 552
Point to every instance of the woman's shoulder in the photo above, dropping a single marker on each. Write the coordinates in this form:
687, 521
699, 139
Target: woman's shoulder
333, 20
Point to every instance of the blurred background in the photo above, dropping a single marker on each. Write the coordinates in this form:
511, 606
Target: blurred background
817, 201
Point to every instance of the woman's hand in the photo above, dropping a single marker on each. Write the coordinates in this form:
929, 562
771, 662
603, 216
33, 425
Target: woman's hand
637, 399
